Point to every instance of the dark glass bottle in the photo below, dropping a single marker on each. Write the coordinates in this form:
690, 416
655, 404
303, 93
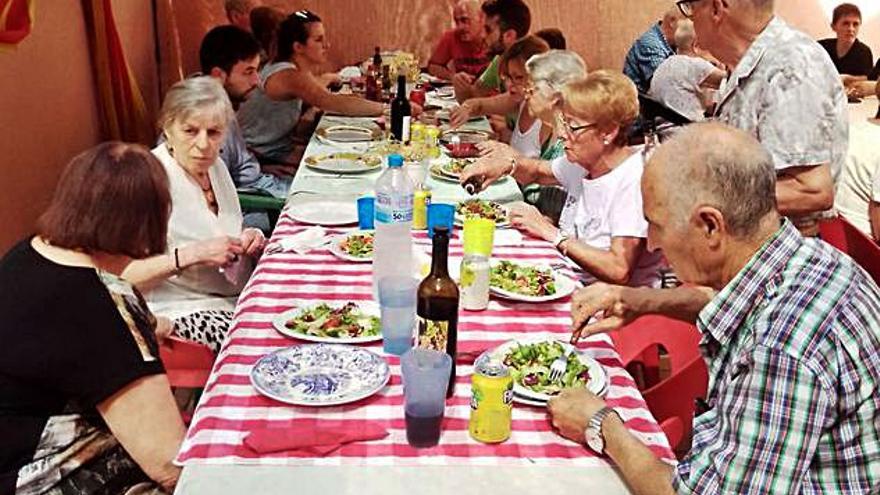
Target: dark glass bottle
400, 113
377, 60
437, 305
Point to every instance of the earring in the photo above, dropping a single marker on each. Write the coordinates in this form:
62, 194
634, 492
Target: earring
606, 141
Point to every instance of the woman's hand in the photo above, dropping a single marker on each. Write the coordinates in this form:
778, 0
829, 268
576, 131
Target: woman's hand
459, 115
484, 172
253, 241
219, 251
164, 328
527, 218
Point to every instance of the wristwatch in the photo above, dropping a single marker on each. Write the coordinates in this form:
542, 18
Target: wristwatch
593, 432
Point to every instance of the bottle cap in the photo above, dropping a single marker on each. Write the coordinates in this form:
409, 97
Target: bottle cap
479, 235
395, 160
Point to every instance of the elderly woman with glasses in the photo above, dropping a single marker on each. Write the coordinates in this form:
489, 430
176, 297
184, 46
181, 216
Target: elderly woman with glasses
196, 281
608, 238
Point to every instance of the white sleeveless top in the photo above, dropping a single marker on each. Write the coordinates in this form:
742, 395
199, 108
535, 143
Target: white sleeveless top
528, 143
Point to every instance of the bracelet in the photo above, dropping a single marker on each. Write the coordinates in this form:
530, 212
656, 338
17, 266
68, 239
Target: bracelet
177, 268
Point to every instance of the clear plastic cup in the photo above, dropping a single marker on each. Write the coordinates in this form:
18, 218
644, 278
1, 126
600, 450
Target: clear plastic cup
397, 306
425, 377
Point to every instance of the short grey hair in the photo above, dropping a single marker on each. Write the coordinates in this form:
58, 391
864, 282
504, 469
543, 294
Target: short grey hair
715, 164
684, 33
202, 95
555, 69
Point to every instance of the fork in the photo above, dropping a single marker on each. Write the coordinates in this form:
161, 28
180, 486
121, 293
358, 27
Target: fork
559, 365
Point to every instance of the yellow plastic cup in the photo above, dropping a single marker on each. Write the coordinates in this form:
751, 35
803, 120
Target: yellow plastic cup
479, 236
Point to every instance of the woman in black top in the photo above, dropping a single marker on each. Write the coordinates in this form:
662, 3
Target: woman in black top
85, 406
850, 56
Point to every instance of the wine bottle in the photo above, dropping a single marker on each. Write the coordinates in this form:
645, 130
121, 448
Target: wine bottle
437, 304
400, 112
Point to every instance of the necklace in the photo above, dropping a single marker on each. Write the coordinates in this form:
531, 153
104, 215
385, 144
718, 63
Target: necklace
204, 182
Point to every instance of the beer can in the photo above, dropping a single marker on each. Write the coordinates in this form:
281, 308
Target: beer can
432, 141
491, 401
421, 200
417, 134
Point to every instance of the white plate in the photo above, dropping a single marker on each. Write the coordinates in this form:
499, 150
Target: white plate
598, 383
341, 254
343, 163
564, 286
367, 307
325, 212
349, 134
445, 92
320, 374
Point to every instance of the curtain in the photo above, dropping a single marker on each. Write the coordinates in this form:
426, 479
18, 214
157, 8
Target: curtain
16, 20
121, 104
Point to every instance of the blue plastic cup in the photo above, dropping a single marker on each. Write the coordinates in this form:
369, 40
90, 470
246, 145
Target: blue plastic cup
440, 214
366, 212
397, 305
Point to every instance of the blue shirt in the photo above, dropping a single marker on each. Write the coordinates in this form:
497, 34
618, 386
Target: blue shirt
645, 55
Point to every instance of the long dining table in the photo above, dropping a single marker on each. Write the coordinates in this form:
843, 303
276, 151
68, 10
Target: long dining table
534, 460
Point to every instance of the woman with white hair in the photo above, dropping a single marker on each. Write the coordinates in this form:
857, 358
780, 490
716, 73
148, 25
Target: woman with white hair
607, 233
209, 257
682, 80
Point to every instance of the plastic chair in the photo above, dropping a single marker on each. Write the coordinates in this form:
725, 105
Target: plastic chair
187, 364
672, 400
847, 238
255, 202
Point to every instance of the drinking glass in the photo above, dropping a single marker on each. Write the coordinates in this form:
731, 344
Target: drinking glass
425, 377
440, 214
397, 306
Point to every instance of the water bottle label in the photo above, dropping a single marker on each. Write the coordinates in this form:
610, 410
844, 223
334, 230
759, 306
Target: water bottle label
394, 209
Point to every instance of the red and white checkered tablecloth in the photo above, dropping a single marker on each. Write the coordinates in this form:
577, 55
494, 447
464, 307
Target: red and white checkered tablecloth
231, 407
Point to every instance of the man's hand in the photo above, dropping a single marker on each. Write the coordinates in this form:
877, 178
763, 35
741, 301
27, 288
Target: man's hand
463, 84
571, 410
527, 218
607, 303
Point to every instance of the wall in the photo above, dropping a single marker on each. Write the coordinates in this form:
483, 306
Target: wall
47, 103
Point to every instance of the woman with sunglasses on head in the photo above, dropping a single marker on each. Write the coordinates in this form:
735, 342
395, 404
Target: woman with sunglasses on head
608, 237
294, 78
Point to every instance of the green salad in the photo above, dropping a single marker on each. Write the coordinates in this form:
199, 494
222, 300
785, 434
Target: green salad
456, 166
522, 279
483, 209
357, 245
344, 322
530, 367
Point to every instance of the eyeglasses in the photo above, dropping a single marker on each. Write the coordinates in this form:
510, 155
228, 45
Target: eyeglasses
686, 7
574, 130
305, 15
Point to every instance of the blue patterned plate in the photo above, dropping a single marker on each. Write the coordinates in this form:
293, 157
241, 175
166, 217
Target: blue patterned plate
320, 374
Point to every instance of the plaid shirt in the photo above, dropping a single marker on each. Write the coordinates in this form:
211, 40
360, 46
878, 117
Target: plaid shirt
793, 348
645, 55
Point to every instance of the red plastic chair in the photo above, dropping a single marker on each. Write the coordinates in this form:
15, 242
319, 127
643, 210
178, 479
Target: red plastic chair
671, 401
847, 238
187, 364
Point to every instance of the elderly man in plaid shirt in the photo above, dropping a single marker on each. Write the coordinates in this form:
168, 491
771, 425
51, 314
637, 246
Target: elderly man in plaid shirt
791, 339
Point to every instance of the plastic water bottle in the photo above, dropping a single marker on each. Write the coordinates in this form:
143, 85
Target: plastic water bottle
392, 245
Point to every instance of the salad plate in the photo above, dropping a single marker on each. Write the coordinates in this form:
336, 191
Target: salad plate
320, 374
528, 282
332, 322
354, 246
529, 361
343, 163
483, 209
